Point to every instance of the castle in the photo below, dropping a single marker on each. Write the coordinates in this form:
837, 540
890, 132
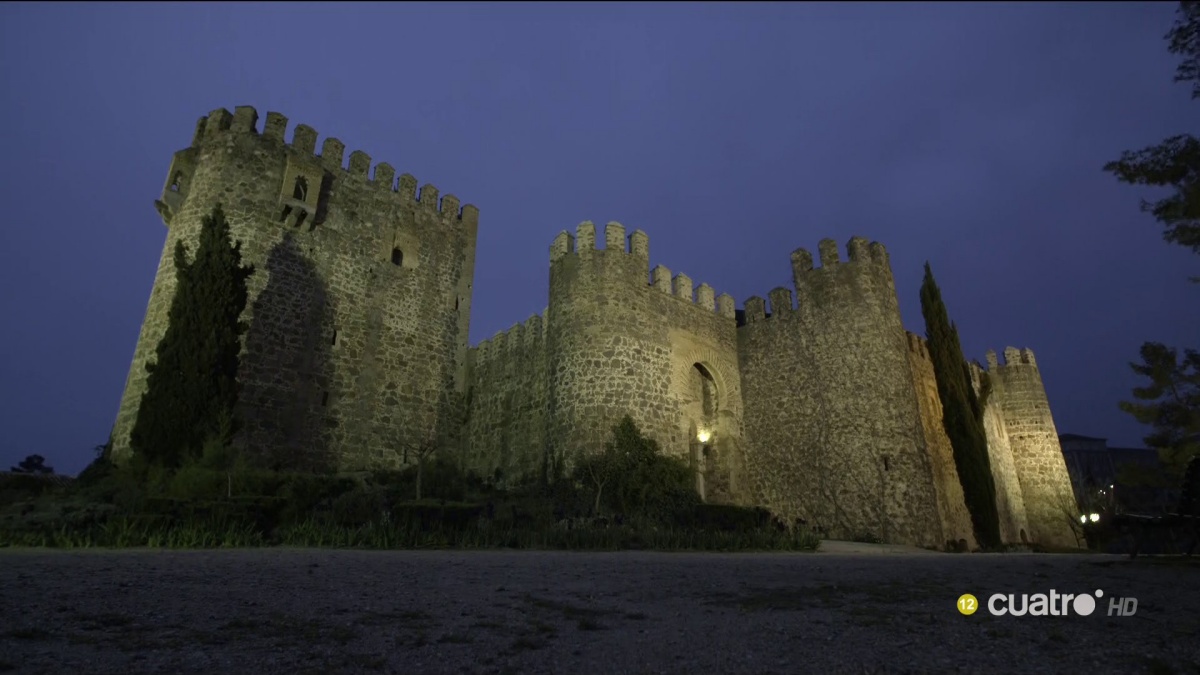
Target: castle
819, 406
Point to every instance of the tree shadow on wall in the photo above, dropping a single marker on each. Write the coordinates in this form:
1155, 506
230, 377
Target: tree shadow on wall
288, 366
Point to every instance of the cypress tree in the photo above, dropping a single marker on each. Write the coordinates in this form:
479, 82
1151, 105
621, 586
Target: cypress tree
191, 389
962, 414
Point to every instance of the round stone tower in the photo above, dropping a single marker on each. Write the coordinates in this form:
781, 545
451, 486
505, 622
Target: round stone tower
606, 354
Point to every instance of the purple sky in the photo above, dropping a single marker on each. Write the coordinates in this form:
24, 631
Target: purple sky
969, 135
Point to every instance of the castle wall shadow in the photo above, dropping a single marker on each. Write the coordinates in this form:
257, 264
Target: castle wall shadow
287, 365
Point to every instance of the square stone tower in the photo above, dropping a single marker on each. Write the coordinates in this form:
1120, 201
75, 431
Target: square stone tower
359, 308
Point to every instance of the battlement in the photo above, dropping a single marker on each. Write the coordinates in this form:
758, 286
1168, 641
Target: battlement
857, 249
977, 374
917, 345
522, 336
1012, 357
782, 305
636, 244
680, 285
244, 120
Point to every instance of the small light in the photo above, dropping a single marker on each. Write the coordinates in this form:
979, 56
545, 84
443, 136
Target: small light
703, 436
1095, 517
1083, 519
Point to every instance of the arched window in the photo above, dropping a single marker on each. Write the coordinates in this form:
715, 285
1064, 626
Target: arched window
300, 191
708, 390
397, 257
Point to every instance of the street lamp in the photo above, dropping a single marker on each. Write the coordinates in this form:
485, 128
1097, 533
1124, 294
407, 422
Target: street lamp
703, 436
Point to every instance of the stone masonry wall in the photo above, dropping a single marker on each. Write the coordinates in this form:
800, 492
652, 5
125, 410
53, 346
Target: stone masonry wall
956, 519
617, 345
352, 352
832, 419
1010, 503
1042, 470
506, 426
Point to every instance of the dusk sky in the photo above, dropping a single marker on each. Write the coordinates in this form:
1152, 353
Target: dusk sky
968, 135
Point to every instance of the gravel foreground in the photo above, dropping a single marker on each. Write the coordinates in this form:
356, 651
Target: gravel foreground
851, 608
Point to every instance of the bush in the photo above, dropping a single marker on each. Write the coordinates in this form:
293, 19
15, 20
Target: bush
357, 507
303, 494
634, 479
15, 487
428, 516
95, 473
724, 518
196, 483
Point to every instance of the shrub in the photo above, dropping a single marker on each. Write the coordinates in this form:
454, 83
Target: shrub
357, 507
634, 479
724, 518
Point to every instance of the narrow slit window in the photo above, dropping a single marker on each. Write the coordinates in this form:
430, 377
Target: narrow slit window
333, 340
176, 181
300, 189
397, 257
324, 399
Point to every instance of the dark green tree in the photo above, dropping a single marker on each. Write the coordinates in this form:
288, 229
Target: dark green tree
192, 386
33, 464
1175, 162
962, 414
1170, 403
632, 477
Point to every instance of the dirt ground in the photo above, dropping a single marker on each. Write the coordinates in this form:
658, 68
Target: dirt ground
852, 608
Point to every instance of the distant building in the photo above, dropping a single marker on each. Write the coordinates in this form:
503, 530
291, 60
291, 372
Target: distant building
1116, 479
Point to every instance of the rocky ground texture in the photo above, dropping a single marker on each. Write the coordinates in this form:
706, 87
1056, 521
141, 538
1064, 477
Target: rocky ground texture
851, 608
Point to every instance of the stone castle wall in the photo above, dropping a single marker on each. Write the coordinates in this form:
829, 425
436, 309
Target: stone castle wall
956, 519
1020, 398
616, 339
509, 397
357, 353
832, 417
1010, 501
359, 305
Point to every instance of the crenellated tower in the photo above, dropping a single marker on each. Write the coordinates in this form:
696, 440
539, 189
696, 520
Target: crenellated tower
360, 305
606, 355
831, 411
662, 350
1019, 396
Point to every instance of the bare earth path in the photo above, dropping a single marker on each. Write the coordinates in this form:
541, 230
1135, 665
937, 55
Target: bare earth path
851, 608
